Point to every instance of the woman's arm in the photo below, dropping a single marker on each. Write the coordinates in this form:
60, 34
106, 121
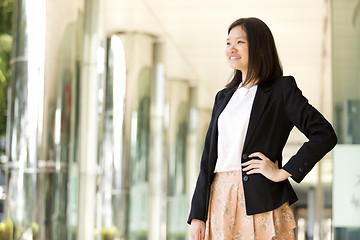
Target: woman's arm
197, 229
198, 204
312, 124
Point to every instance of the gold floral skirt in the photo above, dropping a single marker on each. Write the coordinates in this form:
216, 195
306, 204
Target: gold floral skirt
227, 219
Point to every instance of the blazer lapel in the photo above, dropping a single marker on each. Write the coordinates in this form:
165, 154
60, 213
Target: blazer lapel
224, 101
261, 98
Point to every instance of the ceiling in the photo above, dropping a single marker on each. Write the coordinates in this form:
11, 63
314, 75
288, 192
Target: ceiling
194, 34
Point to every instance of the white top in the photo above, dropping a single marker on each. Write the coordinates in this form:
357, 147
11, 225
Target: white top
232, 127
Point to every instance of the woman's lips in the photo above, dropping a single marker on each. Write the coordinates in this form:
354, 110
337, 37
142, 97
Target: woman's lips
234, 58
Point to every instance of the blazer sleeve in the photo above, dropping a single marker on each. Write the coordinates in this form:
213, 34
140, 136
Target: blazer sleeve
312, 124
198, 204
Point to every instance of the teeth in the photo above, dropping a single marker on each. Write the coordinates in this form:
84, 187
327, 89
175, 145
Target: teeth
234, 58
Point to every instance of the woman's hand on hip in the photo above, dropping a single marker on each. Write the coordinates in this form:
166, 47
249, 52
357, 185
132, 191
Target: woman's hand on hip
265, 167
197, 229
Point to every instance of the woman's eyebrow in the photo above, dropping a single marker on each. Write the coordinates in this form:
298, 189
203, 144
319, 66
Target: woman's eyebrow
236, 38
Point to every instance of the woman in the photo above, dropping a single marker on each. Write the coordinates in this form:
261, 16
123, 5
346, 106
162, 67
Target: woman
243, 191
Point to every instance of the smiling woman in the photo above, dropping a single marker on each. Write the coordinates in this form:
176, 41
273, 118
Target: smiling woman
116, 125
237, 50
257, 47
241, 172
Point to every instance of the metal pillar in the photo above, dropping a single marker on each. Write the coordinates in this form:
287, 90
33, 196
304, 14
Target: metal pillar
88, 136
157, 203
42, 119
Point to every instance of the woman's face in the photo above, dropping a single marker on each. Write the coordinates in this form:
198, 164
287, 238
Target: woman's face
237, 51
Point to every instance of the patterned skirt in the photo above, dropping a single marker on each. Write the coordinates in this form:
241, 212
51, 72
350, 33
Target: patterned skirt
227, 219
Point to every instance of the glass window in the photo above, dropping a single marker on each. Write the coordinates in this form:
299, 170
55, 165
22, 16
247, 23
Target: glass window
346, 60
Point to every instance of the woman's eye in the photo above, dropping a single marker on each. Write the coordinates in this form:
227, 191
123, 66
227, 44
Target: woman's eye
227, 43
240, 42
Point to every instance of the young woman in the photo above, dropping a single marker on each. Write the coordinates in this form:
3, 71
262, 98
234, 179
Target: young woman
243, 191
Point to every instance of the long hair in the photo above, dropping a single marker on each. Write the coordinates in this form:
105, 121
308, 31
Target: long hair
264, 63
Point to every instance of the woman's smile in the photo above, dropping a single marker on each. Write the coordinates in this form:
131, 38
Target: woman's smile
234, 58
237, 51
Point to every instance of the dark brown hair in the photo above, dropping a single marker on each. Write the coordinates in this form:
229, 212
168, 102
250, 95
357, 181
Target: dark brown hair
264, 63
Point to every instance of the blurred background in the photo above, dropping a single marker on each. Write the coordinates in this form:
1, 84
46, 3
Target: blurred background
104, 106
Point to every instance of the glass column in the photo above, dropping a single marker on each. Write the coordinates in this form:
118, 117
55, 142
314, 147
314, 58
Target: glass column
346, 60
42, 120
177, 207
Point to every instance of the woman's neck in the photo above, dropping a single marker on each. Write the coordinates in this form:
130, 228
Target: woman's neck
249, 84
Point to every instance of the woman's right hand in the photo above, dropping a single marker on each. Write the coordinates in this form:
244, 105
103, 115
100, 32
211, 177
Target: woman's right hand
197, 228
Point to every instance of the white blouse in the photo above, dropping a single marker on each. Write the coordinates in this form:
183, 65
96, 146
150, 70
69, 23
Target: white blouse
232, 127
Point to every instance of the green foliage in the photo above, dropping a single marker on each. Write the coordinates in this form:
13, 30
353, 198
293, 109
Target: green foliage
5, 54
5, 16
35, 230
9, 230
111, 233
6, 230
5, 50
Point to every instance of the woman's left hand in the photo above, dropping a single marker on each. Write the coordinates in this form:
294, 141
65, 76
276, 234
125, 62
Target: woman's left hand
265, 167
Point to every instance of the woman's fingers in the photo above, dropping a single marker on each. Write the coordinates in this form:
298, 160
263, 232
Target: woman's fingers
251, 164
253, 171
196, 235
197, 229
259, 155
266, 167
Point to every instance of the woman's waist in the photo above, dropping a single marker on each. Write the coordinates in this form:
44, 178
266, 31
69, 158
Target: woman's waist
228, 176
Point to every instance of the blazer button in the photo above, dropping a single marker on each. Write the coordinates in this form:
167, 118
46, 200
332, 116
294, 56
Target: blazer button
245, 178
245, 156
301, 169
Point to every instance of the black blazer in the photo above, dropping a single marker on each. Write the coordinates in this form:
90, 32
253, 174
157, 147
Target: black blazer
277, 108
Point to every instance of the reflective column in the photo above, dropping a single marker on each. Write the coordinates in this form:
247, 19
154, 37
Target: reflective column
157, 161
140, 141
346, 82
179, 135
112, 205
42, 120
89, 110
